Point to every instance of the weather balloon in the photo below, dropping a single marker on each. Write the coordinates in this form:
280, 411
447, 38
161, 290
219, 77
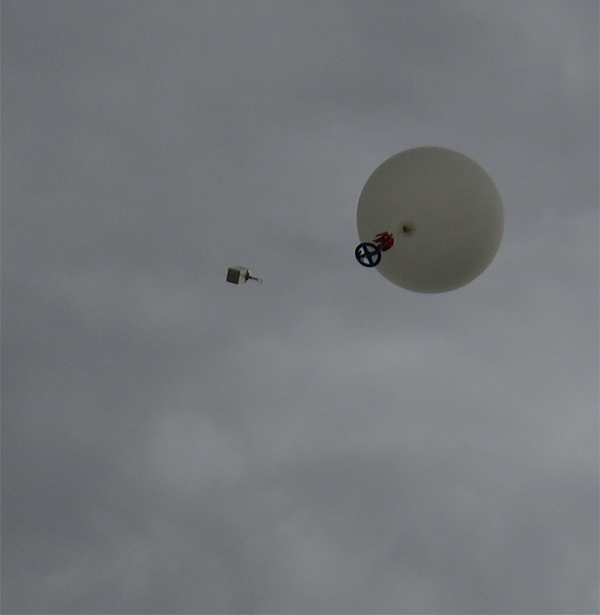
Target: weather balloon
429, 219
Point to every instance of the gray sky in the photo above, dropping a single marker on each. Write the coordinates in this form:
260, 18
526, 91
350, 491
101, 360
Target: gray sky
325, 442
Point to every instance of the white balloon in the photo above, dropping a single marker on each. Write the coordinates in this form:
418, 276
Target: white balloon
444, 212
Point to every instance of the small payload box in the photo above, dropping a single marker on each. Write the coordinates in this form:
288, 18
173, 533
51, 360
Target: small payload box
240, 275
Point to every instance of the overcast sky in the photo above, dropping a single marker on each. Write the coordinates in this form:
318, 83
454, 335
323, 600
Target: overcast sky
324, 442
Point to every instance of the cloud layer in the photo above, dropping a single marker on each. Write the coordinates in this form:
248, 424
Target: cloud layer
324, 442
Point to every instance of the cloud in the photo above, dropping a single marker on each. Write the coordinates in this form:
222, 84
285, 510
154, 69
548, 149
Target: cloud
323, 442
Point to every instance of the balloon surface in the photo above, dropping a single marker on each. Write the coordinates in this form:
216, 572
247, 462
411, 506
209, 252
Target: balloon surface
444, 212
